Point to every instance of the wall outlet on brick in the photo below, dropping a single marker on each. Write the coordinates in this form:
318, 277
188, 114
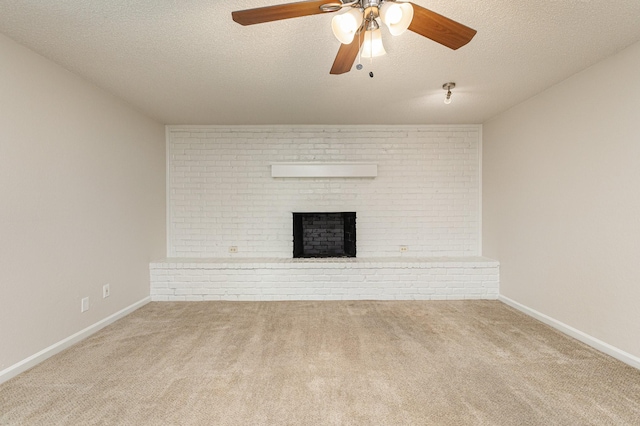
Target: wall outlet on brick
233, 249
403, 249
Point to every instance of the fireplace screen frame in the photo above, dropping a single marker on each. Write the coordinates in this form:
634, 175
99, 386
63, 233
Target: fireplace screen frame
302, 222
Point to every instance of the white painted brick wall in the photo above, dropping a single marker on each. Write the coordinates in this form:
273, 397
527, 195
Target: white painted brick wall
221, 193
289, 279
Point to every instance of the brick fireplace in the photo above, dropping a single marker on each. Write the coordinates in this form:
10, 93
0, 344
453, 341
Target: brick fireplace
229, 220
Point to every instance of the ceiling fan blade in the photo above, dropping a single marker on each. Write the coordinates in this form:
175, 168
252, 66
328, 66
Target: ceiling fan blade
347, 55
275, 13
439, 28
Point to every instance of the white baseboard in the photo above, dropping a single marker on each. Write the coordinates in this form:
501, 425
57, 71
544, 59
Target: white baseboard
37, 358
618, 354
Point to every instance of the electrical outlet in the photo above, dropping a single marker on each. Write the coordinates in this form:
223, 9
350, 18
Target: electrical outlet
233, 249
105, 291
403, 249
84, 304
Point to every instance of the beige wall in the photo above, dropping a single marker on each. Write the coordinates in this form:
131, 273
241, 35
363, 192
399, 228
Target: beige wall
81, 202
561, 201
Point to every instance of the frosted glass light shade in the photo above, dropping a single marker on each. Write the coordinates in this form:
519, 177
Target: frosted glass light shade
372, 45
344, 26
396, 16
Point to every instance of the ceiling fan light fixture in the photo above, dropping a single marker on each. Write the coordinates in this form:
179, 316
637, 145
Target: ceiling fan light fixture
346, 25
396, 16
372, 45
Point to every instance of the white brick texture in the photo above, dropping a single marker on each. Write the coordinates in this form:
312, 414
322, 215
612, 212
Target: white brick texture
425, 197
318, 279
221, 193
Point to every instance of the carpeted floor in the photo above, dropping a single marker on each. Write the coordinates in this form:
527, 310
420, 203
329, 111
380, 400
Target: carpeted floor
325, 363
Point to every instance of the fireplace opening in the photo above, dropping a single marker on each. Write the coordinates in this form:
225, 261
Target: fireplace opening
324, 234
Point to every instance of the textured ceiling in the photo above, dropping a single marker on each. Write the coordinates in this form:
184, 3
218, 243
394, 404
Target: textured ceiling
187, 62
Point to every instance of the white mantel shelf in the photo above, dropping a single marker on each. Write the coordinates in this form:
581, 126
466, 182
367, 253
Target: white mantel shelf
314, 169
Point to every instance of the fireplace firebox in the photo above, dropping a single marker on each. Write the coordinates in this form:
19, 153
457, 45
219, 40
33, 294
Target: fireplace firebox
324, 234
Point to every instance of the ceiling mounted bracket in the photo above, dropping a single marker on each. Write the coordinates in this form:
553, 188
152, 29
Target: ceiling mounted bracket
334, 7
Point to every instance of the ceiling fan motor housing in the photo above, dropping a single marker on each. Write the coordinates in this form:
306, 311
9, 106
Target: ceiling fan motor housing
371, 8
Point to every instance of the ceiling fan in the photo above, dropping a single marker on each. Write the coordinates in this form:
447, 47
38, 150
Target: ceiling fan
360, 25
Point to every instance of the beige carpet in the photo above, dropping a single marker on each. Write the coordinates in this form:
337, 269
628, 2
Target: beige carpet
316, 363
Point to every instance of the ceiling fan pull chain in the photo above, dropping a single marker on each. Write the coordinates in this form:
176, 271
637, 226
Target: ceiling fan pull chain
359, 66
